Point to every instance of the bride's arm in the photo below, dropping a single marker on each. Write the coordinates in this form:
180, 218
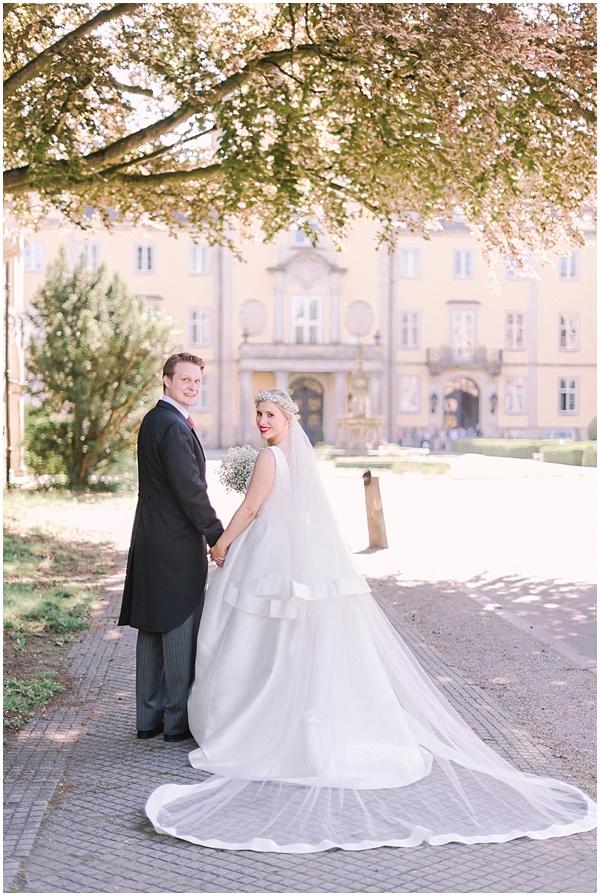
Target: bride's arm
258, 489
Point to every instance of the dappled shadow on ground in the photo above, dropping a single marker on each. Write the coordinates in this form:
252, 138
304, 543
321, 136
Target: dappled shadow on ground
563, 611
512, 659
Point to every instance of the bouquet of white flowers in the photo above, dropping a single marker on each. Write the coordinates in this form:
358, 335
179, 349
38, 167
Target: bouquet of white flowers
236, 467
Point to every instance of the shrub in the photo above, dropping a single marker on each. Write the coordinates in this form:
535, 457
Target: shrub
590, 455
593, 429
563, 454
93, 362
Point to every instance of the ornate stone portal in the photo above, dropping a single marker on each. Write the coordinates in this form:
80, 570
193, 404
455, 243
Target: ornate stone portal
359, 431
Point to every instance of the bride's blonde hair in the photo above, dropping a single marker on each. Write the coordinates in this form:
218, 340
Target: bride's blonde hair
280, 398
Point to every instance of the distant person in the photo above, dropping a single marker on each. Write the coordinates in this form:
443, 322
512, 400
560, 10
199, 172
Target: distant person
167, 563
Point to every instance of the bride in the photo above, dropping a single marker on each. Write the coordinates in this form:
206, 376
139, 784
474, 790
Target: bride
317, 725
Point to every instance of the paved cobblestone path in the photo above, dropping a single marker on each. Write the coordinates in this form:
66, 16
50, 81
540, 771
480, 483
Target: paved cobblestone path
76, 781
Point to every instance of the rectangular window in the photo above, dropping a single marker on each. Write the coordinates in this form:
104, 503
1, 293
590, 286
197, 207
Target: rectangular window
568, 267
410, 394
202, 401
514, 330
514, 395
410, 329
568, 398
463, 335
34, 256
307, 320
568, 332
144, 261
199, 329
92, 254
198, 259
410, 264
462, 266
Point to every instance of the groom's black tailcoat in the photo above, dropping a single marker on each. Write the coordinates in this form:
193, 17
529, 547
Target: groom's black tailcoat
167, 563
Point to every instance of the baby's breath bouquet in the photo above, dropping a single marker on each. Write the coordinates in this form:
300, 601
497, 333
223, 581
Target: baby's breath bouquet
236, 467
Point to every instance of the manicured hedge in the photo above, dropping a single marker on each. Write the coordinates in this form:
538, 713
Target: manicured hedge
552, 451
523, 448
590, 455
563, 454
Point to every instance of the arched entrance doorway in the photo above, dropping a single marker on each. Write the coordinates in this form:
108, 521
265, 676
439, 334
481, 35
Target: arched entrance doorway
461, 404
308, 395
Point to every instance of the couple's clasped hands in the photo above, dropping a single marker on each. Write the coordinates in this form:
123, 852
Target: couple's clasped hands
218, 554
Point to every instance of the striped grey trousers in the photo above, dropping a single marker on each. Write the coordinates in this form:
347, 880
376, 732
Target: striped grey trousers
164, 674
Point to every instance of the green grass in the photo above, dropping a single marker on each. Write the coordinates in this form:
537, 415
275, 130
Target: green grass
400, 467
427, 468
23, 696
51, 581
44, 583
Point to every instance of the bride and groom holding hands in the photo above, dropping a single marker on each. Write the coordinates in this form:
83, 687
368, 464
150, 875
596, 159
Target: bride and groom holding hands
315, 726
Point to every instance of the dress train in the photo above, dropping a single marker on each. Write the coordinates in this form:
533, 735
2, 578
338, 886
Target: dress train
317, 725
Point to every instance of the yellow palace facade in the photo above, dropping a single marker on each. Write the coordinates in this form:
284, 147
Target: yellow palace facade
444, 353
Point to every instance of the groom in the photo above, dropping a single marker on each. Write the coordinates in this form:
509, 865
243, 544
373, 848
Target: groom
167, 563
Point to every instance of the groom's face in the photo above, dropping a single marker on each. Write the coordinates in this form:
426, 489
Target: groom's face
185, 383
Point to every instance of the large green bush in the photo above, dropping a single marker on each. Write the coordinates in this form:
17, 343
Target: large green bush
94, 359
593, 429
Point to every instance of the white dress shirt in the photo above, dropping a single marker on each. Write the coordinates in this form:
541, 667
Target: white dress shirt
182, 410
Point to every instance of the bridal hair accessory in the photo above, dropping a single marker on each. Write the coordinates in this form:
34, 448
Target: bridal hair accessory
236, 468
277, 398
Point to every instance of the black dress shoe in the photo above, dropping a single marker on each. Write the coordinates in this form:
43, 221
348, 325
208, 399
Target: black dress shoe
152, 732
174, 738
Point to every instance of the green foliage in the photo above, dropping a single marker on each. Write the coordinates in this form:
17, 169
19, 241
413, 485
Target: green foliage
564, 454
60, 618
401, 467
520, 448
222, 112
42, 591
95, 354
590, 454
572, 453
593, 429
23, 696
50, 583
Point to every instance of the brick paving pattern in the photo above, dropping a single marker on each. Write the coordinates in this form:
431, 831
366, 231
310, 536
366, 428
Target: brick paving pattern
76, 781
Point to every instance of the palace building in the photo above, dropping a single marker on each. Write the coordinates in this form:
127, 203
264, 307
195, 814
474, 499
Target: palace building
442, 351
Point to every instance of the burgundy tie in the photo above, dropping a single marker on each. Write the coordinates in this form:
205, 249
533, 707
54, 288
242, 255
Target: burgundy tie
190, 423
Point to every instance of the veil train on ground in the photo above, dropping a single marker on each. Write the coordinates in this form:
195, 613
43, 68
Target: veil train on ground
316, 724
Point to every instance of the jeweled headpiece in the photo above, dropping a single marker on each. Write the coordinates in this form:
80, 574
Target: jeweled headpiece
279, 398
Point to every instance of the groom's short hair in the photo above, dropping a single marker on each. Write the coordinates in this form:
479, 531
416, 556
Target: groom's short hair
172, 362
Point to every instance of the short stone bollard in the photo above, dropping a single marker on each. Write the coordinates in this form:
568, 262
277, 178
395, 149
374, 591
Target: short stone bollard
375, 520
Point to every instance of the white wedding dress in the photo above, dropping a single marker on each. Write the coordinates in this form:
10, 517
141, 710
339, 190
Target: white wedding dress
318, 726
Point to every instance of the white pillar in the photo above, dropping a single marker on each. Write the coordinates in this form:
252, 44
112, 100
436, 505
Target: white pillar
375, 393
278, 307
340, 396
334, 308
245, 405
282, 380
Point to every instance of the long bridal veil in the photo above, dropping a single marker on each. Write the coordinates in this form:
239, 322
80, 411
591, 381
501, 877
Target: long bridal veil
317, 726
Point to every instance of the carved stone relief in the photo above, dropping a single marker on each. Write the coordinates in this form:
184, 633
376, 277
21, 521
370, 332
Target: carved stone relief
359, 318
253, 317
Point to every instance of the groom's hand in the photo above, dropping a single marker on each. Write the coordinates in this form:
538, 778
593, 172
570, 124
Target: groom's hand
218, 554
